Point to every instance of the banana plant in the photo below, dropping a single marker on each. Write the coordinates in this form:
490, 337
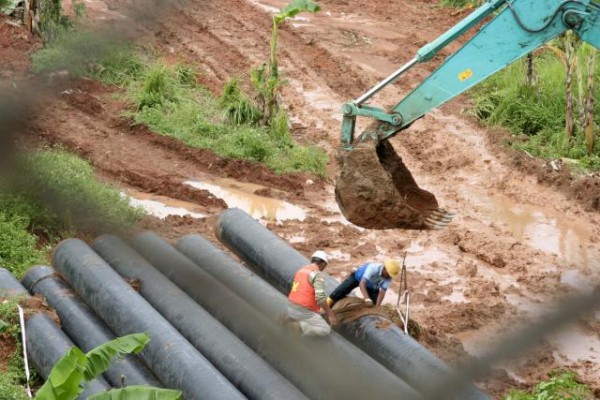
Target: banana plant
70, 374
266, 80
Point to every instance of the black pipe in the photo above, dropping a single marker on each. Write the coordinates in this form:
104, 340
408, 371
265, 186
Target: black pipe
46, 344
277, 262
84, 327
321, 367
172, 358
242, 366
9, 285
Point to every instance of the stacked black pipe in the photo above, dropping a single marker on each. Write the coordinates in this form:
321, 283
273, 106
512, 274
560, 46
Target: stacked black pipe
171, 357
240, 364
84, 327
46, 342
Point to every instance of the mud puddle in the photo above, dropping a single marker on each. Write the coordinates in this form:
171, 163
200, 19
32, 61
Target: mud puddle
162, 206
242, 196
540, 229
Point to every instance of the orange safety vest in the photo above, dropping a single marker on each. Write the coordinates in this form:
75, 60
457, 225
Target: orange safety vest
303, 293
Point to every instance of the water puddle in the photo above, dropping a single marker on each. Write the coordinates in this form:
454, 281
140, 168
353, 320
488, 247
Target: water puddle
242, 196
267, 8
550, 233
577, 280
575, 345
161, 206
320, 100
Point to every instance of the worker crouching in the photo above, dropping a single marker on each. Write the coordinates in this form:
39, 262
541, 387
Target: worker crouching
372, 278
307, 297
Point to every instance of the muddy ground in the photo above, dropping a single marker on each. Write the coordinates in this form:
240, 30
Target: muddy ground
525, 232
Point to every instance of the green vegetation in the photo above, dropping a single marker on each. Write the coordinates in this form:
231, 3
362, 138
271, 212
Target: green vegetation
538, 110
75, 369
561, 385
461, 3
52, 194
73, 199
13, 378
168, 99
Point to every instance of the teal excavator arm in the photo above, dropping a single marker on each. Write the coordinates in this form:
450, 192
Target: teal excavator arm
374, 188
519, 28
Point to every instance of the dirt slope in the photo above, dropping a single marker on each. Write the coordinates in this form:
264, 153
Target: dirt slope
514, 245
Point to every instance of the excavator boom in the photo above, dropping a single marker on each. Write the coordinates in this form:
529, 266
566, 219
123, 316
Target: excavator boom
374, 188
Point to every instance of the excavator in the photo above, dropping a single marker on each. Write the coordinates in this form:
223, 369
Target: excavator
374, 188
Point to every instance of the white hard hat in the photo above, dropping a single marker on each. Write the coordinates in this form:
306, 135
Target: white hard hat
320, 255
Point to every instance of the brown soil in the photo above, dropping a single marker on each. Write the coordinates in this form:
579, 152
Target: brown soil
375, 190
521, 223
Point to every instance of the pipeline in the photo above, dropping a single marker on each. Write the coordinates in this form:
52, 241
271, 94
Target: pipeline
9, 285
243, 367
84, 327
322, 368
277, 262
46, 344
172, 358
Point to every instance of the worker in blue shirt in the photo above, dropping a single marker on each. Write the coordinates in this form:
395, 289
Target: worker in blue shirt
373, 279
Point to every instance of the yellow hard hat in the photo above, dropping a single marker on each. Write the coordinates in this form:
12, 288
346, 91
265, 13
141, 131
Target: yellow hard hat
392, 266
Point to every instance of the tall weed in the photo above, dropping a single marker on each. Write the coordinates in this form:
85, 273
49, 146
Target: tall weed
537, 111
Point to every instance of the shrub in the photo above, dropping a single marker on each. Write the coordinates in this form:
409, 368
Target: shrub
237, 106
66, 185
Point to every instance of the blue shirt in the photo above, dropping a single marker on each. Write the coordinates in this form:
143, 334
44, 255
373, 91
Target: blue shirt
372, 273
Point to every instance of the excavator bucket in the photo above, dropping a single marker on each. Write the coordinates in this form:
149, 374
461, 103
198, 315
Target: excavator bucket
375, 190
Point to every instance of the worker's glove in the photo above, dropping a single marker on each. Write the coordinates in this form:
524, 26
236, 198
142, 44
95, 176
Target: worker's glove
369, 302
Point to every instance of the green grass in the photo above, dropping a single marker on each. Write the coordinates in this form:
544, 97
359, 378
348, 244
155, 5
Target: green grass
192, 115
54, 194
167, 99
538, 112
461, 3
13, 378
560, 385
72, 197
18, 247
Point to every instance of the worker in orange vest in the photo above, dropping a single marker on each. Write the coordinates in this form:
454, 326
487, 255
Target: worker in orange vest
308, 296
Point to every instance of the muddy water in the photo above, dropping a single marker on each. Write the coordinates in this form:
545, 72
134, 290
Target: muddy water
242, 196
539, 228
161, 206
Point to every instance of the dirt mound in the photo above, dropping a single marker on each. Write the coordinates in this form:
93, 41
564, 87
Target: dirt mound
350, 309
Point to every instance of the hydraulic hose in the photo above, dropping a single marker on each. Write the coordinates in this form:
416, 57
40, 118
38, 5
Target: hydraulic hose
277, 263
84, 327
46, 344
243, 367
323, 368
173, 359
